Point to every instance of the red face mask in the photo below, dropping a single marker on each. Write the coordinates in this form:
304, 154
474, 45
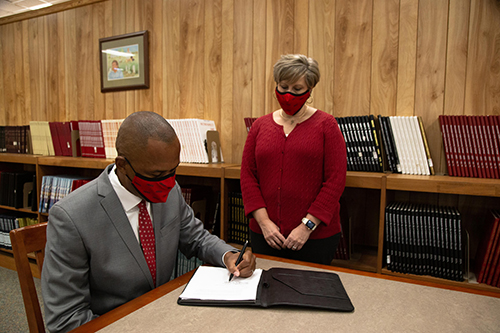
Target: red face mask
292, 103
154, 190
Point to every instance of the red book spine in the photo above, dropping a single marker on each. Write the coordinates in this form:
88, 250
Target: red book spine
461, 167
446, 144
469, 154
494, 145
484, 254
495, 252
485, 146
65, 138
493, 148
477, 150
54, 133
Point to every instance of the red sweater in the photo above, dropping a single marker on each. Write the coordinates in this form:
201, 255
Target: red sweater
295, 175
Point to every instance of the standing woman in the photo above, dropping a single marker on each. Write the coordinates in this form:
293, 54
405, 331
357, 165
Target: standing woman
293, 171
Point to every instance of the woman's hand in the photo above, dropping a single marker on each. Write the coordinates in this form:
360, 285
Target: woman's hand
297, 238
269, 229
272, 234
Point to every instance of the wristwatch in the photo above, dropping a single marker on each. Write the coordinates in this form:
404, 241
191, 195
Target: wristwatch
310, 224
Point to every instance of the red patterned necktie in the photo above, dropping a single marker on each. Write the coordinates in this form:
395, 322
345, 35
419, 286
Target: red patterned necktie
147, 236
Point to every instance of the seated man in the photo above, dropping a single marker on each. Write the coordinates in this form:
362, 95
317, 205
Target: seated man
117, 237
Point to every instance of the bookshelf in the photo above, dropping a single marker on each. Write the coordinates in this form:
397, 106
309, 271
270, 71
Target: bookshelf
368, 190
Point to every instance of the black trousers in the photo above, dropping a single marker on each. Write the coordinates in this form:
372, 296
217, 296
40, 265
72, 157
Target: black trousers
320, 251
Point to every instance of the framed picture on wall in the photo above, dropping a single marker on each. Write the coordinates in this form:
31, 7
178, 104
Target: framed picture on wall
124, 62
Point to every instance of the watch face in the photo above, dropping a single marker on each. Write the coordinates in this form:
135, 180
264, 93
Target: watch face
310, 224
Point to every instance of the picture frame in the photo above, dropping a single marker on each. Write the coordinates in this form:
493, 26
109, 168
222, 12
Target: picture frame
124, 61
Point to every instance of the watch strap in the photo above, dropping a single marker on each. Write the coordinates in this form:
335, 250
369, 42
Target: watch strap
309, 224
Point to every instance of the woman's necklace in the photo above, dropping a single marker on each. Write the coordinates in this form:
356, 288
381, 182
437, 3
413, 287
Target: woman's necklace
293, 119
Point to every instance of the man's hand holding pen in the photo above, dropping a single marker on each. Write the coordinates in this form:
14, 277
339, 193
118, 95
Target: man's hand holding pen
245, 268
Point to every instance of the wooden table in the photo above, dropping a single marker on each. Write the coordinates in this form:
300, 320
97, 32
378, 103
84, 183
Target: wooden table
382, 304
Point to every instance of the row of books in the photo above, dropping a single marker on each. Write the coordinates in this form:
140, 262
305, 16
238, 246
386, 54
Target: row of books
17, 189
377, 144
362, 144
196, 146
54, 188
487, 260
96, 138
405, 145
471, 145
238, 224
424, 240
11, 221
87, 138
15, 139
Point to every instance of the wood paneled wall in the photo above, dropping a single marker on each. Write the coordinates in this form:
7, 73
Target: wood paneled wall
213, 59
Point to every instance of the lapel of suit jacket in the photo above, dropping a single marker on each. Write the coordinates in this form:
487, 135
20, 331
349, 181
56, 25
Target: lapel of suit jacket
114, 209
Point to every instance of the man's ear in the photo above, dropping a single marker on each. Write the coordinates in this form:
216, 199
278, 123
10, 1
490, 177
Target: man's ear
120, 163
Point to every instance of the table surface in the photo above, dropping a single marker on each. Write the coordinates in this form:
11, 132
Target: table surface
382, 304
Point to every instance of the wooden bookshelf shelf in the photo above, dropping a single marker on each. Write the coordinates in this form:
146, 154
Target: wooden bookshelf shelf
212, 170
75, 162
18, 158
444, 184
361, 179
24, 210
233, 172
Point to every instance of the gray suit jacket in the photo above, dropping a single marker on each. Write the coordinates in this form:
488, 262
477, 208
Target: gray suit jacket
93, 261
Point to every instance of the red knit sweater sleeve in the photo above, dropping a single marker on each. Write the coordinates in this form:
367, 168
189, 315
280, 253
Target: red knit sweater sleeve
334, 176
249, 182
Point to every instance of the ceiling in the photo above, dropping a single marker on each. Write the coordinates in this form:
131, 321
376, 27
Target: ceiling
12, 7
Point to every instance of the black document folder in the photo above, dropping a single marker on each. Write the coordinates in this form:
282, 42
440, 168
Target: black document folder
291, 287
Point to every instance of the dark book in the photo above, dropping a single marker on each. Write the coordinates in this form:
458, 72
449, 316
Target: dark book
20, 179
3, 147
389, 238
12, 139
377, 142
238, 228
54, 134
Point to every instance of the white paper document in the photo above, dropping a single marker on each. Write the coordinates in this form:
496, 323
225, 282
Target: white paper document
212, 283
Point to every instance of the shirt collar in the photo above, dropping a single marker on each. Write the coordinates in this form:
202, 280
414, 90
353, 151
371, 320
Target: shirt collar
128, 200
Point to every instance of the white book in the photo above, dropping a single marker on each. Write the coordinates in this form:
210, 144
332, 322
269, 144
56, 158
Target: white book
398, 138
192, 134
175, 123
409, 143
419, 145
109, 132
35, 138
48, 138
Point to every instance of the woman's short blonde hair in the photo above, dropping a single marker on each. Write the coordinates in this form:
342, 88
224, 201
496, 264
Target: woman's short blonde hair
292, 67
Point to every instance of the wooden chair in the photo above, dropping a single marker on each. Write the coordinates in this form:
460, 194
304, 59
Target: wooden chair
26, 240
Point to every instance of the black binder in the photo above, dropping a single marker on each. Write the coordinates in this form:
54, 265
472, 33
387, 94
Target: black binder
292, 287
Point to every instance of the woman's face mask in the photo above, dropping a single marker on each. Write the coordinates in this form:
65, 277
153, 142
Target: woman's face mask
291, 103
